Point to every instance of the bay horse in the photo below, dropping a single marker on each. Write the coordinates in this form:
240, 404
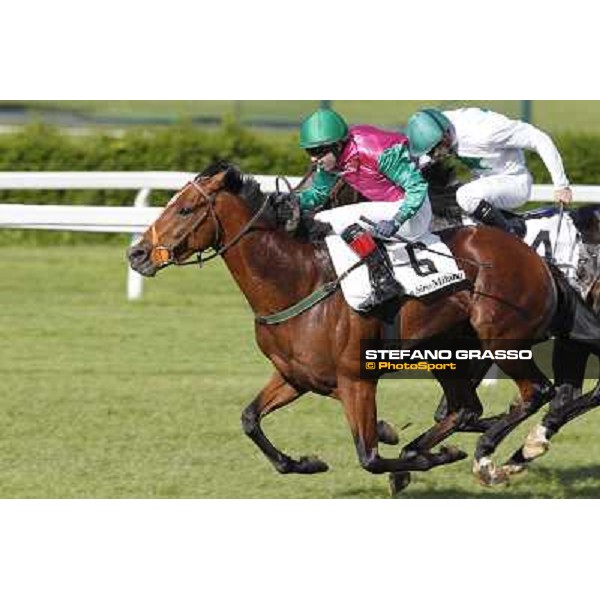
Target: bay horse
570, 355
319, 349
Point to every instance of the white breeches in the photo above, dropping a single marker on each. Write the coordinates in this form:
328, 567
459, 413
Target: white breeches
502, 191
344, 216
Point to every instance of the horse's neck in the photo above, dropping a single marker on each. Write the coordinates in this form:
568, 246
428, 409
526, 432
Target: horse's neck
273, 270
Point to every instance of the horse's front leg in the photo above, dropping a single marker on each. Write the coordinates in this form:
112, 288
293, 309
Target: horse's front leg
274, 395
358, 400
534, 393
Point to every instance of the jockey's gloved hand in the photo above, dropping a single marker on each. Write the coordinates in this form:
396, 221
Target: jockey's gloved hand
278, 198
564, 195
283, 203
386, 229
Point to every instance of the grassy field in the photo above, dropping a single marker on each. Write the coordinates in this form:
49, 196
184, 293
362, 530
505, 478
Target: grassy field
101, 398
552, 115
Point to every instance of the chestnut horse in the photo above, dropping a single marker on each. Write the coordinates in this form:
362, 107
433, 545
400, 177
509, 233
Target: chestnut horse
319, 349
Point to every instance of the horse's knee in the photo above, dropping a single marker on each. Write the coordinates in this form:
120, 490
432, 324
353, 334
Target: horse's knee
250, 419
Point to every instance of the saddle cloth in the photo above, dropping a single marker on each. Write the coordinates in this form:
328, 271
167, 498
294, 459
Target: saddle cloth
542, 235
420, 272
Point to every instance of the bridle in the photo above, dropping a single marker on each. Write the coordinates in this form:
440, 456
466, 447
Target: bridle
163, 256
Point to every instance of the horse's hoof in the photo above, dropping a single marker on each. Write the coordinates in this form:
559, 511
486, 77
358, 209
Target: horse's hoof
386, 434
536, 443
487, 473
514, 468
399, 482
308, 465
452, 453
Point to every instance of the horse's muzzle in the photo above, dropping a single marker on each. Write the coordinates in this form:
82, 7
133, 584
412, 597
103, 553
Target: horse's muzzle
140, 259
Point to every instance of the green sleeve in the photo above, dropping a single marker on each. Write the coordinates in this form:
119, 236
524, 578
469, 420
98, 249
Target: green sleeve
318, 192
395, 163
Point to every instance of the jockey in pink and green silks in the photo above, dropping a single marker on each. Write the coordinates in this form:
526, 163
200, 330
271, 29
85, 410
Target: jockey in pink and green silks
377, 164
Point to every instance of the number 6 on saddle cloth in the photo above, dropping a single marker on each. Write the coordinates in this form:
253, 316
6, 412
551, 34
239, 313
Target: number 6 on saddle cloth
419, 275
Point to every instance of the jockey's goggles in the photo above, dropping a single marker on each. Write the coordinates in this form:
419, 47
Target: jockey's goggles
321, 151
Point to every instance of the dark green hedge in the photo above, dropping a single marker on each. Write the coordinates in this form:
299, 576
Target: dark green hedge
39, 147
581, 157
184, 147
179, 148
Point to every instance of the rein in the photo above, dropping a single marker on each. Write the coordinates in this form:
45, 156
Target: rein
560, 220
164, 254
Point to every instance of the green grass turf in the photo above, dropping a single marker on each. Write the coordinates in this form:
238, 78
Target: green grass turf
104, 398
552, 115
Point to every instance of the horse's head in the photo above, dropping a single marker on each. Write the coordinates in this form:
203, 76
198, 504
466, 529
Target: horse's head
201, 215
587, 222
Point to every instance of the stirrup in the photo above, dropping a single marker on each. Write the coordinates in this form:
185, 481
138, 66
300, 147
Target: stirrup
490, 215
379, 296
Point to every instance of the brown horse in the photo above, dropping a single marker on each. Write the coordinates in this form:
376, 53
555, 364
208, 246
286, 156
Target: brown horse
571, 352
318, 350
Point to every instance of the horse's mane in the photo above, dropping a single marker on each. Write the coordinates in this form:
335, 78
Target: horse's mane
247, 188
236, 182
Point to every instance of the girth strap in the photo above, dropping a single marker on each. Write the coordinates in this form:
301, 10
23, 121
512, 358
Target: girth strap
301, 306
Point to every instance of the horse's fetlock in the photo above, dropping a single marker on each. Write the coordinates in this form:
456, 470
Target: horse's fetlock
485, 447
372, 463
284, 466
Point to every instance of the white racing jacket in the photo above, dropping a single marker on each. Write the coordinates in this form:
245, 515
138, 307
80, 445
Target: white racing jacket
489, 143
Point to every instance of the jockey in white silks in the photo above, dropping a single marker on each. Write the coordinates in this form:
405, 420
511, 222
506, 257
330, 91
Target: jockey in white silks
378, 165
491, 146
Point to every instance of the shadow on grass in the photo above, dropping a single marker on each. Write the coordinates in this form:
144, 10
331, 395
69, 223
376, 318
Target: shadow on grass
544, 483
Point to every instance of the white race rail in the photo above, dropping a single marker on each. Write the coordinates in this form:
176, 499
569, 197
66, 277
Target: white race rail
105, 219
137, 218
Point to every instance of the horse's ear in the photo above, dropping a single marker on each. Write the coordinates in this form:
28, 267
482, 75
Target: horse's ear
214, 183
228, 178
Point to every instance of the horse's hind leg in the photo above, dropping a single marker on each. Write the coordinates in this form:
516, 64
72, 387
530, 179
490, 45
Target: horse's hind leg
535, 391
276, 394
477, 370
560, 414
462, 408
569, 361
563, 409
358, 400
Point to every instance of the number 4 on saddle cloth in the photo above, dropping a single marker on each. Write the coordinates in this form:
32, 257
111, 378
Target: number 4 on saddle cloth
557, 240
420, 272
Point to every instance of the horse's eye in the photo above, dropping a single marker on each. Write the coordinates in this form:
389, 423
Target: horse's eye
186, 210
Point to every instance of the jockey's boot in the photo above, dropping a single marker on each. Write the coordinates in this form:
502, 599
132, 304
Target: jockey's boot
488, 214
385, 286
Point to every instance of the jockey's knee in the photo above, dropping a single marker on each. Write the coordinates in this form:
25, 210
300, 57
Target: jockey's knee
467, 201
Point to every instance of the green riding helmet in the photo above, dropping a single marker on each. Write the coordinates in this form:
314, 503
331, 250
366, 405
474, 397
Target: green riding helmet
426, 129
323, 127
